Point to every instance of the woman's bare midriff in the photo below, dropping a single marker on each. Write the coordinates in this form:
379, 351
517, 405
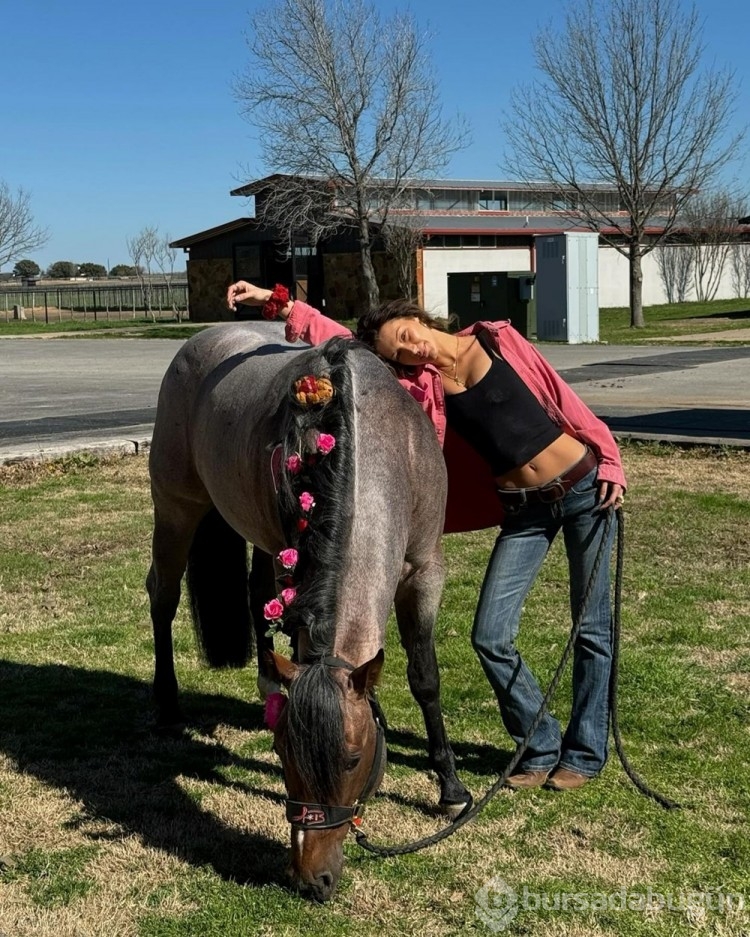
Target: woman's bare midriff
559, 456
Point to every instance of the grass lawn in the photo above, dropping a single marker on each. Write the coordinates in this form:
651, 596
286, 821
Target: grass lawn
108, 829
670, 321
682, 320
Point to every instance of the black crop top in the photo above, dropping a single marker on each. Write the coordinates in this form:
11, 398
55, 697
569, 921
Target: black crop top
500, 417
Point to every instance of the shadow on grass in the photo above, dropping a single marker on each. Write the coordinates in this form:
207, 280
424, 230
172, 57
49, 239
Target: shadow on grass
737, 314
86, 732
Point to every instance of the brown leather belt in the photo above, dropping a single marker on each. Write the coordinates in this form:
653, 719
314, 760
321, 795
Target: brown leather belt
553, 491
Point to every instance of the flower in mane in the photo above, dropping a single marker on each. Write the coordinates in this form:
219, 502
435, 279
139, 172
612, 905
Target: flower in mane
294, 464
273, 610
288, 595
288, 558
325, 443
275, 703
311, 390
306, 501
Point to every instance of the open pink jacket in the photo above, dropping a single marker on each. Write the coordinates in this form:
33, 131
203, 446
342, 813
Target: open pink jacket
472, 502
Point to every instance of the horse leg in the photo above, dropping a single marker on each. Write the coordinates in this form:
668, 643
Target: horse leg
262, 587
170, 548
417, 601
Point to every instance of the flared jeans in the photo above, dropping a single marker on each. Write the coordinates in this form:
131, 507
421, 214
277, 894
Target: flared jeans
519, 552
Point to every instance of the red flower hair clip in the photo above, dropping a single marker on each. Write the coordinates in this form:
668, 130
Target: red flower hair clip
311, 390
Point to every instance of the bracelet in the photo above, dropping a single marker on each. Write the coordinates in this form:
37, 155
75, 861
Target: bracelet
275, 302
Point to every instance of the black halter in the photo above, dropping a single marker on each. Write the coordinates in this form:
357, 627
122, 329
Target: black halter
307, 816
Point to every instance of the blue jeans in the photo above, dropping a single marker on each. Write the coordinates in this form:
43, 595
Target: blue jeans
516, 559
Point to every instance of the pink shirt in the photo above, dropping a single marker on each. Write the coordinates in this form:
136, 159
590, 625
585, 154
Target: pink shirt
472, 502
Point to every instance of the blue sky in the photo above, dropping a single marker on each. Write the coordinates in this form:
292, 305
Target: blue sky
120, 115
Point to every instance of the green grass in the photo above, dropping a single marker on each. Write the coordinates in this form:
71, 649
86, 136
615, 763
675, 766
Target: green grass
107, 827
141, 327
681, 320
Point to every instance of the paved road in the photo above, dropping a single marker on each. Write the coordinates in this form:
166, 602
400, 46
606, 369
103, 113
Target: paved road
62, 394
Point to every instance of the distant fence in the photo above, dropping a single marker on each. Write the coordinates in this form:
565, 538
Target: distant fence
52, 304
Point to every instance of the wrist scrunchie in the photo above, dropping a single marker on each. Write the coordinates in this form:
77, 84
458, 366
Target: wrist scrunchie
275, 302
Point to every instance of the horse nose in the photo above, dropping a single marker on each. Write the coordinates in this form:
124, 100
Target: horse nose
320, 888
323, 887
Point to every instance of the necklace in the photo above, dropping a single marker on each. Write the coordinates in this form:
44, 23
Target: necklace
454, 377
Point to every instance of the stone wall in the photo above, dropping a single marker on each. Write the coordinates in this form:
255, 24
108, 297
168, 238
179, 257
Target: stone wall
207, 283
344, 294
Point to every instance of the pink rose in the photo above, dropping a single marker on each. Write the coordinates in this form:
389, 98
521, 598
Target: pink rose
288, 596
294, 464
274, 707
306, 501
325, 443
273, 610
288, 558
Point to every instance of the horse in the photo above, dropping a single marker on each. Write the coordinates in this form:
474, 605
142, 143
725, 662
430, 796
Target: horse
319, 458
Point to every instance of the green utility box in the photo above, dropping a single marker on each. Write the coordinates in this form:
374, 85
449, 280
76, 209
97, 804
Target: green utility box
473, 297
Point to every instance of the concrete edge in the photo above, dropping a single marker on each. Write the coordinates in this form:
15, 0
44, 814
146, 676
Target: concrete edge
105, 447
112, 447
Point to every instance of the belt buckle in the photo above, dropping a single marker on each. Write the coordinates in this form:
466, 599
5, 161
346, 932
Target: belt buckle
553, 491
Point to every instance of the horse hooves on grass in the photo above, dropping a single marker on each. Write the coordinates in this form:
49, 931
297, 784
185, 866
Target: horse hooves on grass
170, 724
454, 811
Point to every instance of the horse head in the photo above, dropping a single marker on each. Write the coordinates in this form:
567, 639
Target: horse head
331, 741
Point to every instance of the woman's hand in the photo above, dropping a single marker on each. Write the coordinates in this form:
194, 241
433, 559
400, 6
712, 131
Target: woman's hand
611, 495
244, 292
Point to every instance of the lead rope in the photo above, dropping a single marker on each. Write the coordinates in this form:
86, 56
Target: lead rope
478, 807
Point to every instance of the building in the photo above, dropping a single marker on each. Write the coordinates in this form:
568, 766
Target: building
477, 257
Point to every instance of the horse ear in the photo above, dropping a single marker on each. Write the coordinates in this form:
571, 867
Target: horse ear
366, 676
282, 667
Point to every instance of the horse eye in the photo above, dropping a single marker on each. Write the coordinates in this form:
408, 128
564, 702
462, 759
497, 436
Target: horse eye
352, 762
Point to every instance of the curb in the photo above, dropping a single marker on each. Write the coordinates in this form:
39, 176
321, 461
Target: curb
112, 447
106, 447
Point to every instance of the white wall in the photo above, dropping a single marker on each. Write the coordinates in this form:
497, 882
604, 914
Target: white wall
613, 274
613, 281
438, 262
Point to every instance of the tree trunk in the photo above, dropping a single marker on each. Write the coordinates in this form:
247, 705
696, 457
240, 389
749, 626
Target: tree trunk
369, 280
636, 286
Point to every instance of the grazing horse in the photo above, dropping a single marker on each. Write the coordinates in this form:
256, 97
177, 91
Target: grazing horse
321, 459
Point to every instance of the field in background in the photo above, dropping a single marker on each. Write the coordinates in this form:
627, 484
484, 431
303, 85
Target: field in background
107, 828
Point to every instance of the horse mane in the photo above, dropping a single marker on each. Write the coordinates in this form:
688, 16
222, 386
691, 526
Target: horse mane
315, 726
330, 479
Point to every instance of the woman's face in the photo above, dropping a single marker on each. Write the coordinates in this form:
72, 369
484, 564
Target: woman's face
406, 341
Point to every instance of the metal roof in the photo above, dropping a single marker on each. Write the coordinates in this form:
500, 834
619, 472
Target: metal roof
257, 185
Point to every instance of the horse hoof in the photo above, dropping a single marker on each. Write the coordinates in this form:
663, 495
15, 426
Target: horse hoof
170, 724
454, 811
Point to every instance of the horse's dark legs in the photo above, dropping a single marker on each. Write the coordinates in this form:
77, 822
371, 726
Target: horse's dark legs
262, 586
169, 559
417, 601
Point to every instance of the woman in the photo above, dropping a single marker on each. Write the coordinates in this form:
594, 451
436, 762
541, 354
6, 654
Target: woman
522, 449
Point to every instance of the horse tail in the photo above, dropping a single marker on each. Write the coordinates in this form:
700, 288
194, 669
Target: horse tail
321, 534
217, 581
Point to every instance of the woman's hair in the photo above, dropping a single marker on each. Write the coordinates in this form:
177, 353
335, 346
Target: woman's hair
370, 323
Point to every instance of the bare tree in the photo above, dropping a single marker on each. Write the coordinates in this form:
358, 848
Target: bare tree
623, 101
740, 260
18, 232
166, 259
143, 250
675, 263
709, 223
402, 237
349, 99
